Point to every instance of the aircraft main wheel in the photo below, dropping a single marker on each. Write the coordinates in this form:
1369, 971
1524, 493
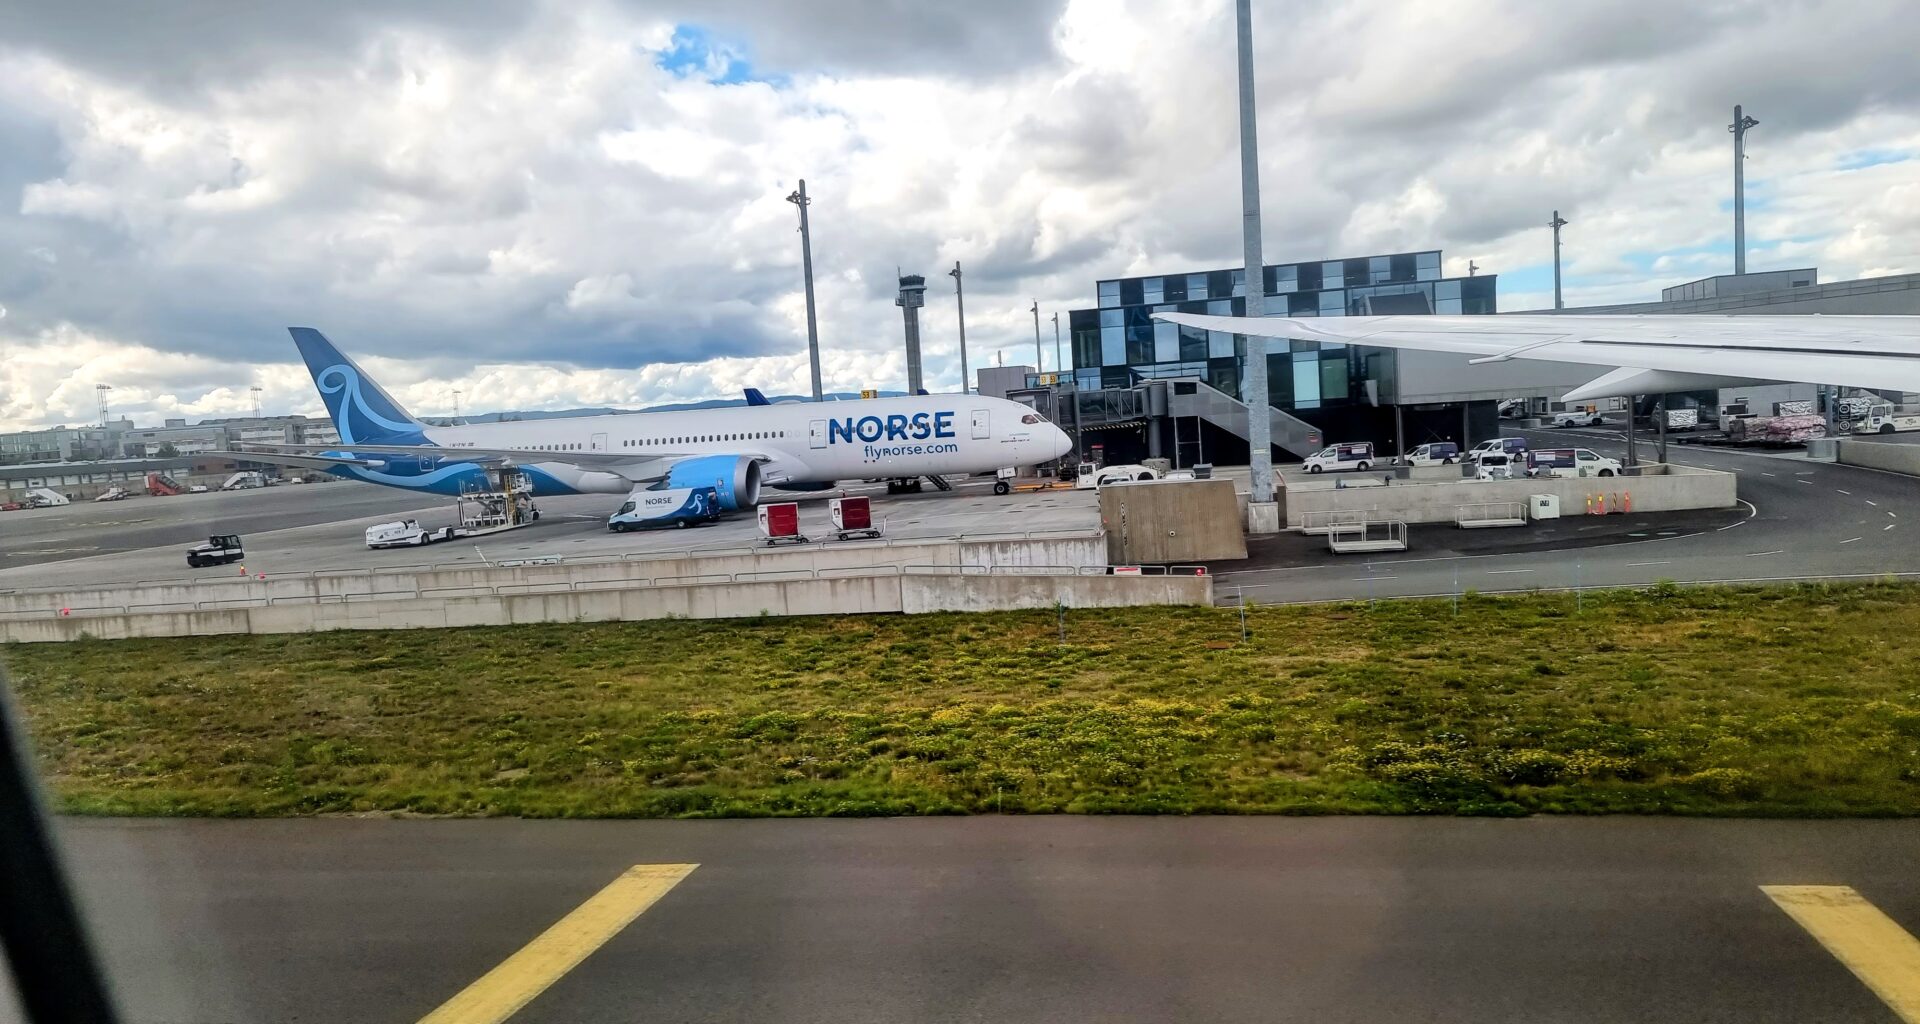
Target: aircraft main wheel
1000, 487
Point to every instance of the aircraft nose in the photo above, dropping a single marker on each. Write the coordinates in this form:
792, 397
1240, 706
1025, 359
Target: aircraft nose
1062, 444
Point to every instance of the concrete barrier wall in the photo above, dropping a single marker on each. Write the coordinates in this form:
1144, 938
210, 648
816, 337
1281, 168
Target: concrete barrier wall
1071, 550
864, 595
1894, 458
1002, 593
1663, 489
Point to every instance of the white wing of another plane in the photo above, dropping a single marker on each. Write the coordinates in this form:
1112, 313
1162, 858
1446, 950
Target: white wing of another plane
1653, 354
637, 466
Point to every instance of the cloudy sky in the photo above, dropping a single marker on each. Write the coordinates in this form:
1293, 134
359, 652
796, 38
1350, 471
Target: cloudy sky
550, 205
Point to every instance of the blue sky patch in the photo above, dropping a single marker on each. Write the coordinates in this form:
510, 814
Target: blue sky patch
1863, 158
696, 52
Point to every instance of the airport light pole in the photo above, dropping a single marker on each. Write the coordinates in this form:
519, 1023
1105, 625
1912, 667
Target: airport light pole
1039, 357
799, 198
456, 405
1739, 127
1556, 224
1057, 361
256, 400
960, 302
1259, 424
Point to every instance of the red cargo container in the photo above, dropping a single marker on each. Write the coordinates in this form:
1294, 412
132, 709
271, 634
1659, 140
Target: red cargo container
781, 523
852, 517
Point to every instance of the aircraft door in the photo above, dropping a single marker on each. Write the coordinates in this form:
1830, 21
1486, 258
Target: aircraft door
982, 429
598, 443
817, 434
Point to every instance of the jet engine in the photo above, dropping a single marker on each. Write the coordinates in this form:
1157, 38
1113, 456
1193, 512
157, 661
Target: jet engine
735, 478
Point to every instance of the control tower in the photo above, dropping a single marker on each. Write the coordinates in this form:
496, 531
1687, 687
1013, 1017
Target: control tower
913, 295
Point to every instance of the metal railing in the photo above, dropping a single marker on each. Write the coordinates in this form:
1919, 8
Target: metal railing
1475, 514
1322, 521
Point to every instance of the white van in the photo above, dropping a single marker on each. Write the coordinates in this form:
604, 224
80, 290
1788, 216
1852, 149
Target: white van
1570, 462
1357, 455
1439, 453
1495, 466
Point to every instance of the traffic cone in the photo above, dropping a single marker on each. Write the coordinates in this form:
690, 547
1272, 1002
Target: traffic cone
1629, 502
1602, 503
1589, 504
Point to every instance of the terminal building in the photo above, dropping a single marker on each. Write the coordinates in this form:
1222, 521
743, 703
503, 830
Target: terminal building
1140, 388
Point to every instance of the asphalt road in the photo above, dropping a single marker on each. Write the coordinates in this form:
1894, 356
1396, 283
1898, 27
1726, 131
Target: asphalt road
997, 919
322, 526
1799, 519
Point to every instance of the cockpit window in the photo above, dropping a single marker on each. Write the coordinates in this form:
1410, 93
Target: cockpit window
1033, 417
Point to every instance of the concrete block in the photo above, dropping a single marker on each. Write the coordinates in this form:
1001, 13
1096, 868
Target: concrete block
1263, 518
1893, 458
1171, 522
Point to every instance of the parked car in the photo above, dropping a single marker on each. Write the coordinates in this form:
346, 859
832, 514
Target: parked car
1437, 453
1355, 455
1578, 418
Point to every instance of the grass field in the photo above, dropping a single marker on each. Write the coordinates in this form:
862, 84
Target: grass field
1787, 701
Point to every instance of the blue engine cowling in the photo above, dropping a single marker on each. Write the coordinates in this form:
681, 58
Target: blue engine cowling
735, 478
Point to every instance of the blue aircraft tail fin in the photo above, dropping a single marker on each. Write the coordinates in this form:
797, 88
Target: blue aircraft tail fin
754, 397
360, 408
922, 391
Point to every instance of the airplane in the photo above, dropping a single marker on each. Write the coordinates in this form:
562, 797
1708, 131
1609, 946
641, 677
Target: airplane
673, 466
1652, 354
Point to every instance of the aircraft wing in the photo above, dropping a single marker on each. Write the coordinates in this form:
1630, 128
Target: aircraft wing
302, 461
639, 467
1654, 354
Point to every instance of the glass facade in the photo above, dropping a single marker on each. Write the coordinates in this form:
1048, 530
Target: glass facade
1118, 342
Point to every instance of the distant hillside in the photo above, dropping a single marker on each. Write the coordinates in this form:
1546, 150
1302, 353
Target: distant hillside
711, 403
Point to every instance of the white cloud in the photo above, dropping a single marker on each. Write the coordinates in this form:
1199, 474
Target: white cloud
517, 202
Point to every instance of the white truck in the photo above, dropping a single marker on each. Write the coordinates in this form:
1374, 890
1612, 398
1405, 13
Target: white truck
1883, 418
405, 533
1090, 477
244, 481
1578, 418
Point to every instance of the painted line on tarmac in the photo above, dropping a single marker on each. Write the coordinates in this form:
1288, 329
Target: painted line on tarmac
1849, 540
503, 991
1500, 572
1847, 493
1775, 551
1370, 579
1883, 955
1635, 565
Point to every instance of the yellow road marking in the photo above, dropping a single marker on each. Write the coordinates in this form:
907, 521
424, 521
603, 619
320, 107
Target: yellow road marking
501, 992
1873, 946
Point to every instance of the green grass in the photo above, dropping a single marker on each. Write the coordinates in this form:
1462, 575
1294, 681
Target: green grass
1780, 701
